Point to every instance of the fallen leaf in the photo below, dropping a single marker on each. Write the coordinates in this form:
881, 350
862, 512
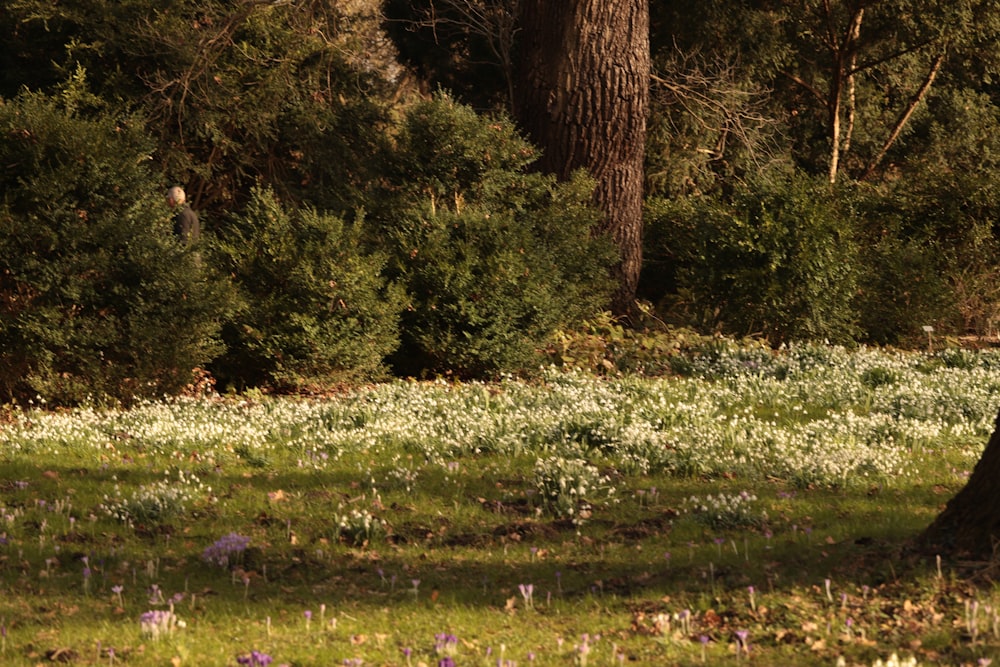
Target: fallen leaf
711, 619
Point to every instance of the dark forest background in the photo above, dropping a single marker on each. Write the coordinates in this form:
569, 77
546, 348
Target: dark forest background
813, 171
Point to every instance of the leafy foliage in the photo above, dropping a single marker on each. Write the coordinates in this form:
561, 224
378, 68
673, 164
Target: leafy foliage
232, 91
776, 260
494, 258
931, 255
96, 296
313, 307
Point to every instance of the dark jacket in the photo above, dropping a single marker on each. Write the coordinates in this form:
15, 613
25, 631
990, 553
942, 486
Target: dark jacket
186, 225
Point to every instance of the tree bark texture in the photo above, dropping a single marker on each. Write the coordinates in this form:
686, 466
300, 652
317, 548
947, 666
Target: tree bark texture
582, 96
969, 525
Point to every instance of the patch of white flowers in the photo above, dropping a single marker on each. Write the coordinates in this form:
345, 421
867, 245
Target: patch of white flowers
725, 510
811, 415
360, 527
157, 502
567, 487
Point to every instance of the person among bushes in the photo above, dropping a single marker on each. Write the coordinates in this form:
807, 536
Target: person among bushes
187, 227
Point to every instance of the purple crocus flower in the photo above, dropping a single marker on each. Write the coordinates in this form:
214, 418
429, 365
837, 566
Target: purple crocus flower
741, 638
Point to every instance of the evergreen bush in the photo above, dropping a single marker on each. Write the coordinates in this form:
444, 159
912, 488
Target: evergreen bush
930, 258
494, 257
777, 258
97, 299
313, 308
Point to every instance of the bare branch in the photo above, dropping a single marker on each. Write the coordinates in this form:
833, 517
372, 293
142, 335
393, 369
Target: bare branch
710, 94
905, 116
495, 21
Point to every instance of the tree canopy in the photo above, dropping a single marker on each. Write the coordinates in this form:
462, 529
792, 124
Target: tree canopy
777, 138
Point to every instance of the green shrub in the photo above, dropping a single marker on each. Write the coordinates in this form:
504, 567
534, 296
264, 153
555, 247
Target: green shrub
930, 258
902, 290
494, 258
313, 308
777, 259
97, 299
604, 345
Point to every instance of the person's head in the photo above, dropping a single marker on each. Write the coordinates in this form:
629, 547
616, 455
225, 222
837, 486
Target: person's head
175, 196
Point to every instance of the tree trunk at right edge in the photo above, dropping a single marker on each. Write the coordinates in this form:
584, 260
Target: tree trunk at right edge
582, 96
969, 525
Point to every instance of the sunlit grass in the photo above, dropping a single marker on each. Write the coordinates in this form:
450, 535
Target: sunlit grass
756, 507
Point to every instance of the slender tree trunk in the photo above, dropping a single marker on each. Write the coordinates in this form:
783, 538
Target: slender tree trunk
843, 51
905, 116
582, 95
852, 96
969, 525
834, 107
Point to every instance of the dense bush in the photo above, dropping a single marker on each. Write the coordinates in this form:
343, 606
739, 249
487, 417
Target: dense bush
313, 309
777, 259
494, 258
96, 296
931, 257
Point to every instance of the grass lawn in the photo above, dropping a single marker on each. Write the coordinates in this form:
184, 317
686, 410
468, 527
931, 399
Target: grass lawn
754, 508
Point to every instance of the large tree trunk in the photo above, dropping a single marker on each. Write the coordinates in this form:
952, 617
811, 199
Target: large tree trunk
582, 95
969, 526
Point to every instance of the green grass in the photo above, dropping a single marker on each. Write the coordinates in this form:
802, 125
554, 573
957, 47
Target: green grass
838, 472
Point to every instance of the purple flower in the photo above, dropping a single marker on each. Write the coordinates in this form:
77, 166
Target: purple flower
741, 638
226, 548
445, 643
158, 623
255, 659
155, 594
